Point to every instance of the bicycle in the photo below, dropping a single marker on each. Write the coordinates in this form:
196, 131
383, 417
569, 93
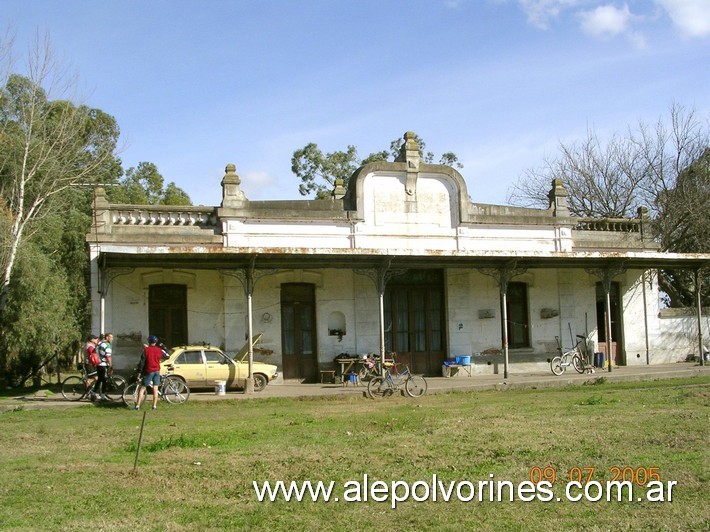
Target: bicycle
573, 357
172, 389
75, 388
394, 380
370, 367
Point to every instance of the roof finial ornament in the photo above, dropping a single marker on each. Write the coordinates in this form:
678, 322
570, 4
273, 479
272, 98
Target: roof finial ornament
409, 154
558, 198
232, 196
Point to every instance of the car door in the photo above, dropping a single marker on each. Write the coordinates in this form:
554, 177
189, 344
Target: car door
219, 367
191, 367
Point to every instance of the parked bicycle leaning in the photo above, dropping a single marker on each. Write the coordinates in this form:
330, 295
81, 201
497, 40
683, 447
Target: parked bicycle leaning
575, 357
395, 379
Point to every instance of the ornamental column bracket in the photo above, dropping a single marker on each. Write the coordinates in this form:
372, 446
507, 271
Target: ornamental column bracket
409, 154
108, 275
248, 276
503, 274
606, 275
381, 275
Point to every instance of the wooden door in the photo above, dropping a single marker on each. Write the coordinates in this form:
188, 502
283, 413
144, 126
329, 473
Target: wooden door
298, 331
414, 320
167, 313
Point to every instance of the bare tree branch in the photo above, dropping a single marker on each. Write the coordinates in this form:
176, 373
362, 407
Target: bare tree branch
48, 144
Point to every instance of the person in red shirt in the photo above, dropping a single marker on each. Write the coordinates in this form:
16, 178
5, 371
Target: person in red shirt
150, 371
89, 367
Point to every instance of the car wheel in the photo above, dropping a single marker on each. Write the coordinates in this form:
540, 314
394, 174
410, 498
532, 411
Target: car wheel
260, 382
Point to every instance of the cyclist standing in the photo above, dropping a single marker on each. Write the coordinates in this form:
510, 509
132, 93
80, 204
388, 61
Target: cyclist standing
150, 370
105, 364
89, 351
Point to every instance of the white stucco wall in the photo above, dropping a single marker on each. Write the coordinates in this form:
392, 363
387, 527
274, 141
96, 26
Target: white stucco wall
679, 328
217, 314
127, 309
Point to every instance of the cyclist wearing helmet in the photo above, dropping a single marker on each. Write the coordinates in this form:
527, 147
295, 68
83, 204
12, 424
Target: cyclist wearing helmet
150, 370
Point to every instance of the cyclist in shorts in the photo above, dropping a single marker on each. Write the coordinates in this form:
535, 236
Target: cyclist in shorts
150, 370
105, 366
89, 349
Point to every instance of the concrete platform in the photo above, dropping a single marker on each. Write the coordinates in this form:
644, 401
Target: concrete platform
436, 385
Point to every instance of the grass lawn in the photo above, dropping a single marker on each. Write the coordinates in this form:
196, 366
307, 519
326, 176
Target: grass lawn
73, 468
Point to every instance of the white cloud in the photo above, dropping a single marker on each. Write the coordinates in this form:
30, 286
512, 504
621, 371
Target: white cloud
259, 185
540, 12
692, 17
606, 21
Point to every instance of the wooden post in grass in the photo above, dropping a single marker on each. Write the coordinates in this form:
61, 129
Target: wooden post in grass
140, 439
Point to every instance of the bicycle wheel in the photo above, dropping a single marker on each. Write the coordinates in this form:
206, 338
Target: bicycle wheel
578, 363
115, 386
73, 388
175, 390
556, 366
363, 373
379, 387
415, 386
130, 395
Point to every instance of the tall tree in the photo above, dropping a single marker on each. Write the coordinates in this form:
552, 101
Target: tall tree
318, 172
615, 177
46, 146
41, 317
683, 225
144, 185
659, 167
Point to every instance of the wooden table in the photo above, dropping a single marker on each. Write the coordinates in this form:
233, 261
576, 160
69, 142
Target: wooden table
347, 366
453, 369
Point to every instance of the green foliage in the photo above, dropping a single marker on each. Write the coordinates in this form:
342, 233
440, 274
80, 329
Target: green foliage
51, 153
38, 321
144, 185
47, 147
319, 172
216, 449
174, 195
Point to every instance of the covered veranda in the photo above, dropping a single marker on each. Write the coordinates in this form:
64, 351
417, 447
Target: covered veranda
250, 265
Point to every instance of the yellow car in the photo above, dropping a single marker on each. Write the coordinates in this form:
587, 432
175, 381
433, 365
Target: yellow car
201, 365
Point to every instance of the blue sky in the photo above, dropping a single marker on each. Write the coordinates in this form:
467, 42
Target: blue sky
197, 84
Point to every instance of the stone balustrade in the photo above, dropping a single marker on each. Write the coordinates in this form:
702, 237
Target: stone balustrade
616, 225
164, 215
